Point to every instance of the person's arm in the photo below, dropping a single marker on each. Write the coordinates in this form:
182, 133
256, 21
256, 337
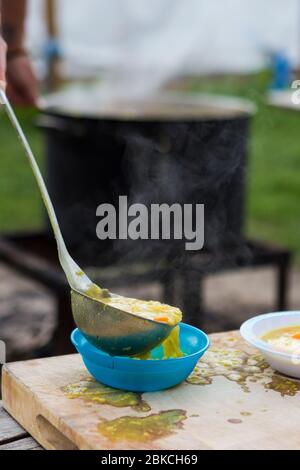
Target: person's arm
22, 87
13, 20
3, 49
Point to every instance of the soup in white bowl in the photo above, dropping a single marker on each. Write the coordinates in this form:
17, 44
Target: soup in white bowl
285, 339
276, 337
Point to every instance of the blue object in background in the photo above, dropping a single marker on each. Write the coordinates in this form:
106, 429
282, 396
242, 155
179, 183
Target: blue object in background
282, 71
138, 375
52, 49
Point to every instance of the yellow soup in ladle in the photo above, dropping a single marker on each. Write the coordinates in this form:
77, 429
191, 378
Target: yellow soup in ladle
151, 310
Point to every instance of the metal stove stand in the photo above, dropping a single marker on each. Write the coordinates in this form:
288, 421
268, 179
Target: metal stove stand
34, 255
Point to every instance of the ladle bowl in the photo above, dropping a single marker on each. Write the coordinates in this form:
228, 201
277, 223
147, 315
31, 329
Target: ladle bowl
115, 331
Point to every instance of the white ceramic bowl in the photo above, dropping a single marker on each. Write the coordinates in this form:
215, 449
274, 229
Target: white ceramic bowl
252, 330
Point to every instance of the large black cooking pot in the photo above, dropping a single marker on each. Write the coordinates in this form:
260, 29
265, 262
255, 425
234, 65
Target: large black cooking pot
175, 148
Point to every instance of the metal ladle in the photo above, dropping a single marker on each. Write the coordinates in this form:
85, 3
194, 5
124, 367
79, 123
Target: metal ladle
113, 330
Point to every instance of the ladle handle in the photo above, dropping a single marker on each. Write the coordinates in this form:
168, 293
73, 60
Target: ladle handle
67, 262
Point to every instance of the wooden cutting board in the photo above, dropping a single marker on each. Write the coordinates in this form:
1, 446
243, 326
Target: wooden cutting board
233, 400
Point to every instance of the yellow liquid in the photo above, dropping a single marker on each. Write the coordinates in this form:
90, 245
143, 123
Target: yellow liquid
289, 331
285, 339
171, 347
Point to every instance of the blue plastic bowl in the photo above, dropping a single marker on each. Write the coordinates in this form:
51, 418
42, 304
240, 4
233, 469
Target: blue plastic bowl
138, 375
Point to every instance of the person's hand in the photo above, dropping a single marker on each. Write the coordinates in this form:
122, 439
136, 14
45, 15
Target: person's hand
3, 50
22, 84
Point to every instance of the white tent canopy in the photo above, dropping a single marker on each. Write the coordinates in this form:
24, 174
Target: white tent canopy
173, 36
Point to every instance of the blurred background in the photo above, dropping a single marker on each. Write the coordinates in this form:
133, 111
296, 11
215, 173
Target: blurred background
123, 83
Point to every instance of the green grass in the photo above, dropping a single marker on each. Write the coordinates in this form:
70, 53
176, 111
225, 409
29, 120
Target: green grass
273, 203
274, 167
20, 204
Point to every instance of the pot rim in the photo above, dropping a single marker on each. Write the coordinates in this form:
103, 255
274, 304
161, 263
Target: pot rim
200, 106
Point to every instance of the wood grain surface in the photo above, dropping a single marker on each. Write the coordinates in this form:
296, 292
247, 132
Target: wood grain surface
233, 400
